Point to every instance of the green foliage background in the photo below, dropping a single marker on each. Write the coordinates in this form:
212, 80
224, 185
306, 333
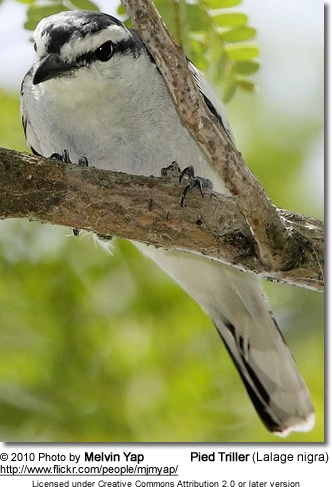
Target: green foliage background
106, 348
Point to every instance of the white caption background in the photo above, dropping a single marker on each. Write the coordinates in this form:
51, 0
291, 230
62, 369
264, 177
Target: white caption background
136, 465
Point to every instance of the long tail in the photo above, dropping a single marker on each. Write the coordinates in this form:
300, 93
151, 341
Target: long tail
271, 378
237, 305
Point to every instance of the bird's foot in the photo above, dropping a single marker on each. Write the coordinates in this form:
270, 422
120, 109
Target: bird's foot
193, 181
64, 157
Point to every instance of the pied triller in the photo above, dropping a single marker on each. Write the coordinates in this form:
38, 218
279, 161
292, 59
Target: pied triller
95, 94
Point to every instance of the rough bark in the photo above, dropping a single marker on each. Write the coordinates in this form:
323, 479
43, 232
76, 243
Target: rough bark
147, 209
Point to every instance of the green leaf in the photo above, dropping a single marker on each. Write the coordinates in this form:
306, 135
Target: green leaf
228, 82
234, 19
247, 85
194, 18
36, 12
229, 91
242, 52
221, 3
26, 1
247, 67
238, 34
83, 4
198, 50
183, 18
121, 10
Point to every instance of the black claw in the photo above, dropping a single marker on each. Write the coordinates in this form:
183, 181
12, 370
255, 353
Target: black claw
56, 156
187, 173
104, 238
64, 157
193, 182
76, 232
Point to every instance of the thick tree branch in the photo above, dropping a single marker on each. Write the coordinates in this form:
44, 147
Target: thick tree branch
275, 242
147, 209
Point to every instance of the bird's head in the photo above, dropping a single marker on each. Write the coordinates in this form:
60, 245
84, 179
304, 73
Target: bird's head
84, 43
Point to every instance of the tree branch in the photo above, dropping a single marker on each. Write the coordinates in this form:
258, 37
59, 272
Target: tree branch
274, 239
147, 209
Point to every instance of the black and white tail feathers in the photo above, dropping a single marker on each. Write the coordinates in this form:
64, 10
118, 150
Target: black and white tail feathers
236, 303
271, 379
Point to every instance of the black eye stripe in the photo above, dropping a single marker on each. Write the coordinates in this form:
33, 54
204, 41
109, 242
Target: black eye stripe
128, 46
75, 25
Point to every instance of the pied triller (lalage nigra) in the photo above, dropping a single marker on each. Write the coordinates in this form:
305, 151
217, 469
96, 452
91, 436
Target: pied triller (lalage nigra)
95, 94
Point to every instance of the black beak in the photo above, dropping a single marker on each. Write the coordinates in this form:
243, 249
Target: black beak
50, 67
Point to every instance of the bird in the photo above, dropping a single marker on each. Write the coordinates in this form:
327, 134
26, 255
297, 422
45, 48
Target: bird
94, 95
